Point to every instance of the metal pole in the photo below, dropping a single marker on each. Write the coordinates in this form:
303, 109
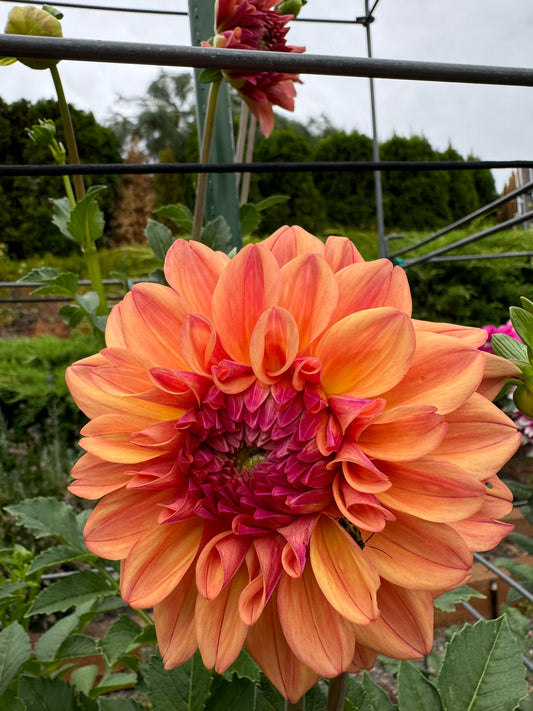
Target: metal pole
380, 223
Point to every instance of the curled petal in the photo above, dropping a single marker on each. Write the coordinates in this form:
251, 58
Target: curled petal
290, 242
317, 634
199, 343
497, 372
193, 270
420, 555
294, 554
363, 509
310, 294
219, 628
343, 573
474, 337
257, 593
340, 252
218, 562
174, 623
366, 353
248, 286
268, 646
404, 628
274, 344
158, 561
114, 336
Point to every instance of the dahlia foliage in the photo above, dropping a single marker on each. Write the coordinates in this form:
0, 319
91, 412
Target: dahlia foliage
287, 460
256, 25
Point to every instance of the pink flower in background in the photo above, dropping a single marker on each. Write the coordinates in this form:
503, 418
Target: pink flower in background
507, 329
256, 25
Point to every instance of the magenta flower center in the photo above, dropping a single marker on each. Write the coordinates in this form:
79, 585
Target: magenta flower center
251, 460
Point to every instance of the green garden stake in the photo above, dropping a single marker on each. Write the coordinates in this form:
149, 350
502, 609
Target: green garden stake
222, 198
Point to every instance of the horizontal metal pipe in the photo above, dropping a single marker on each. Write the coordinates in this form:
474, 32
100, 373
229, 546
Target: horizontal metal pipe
506, 578
469, 257
277, 167
248, 60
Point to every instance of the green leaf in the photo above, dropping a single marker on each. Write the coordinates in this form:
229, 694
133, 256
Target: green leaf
76, 646
316, 699
15, 649
217, 235
72, 590
271, 699
179, 214
41, 274
160, 239
89, 301
120, 639
244, 667
84, 678
11, 702
250, 218
210, 76
448, 600
65, 284
522, 322
482, 669
56, 556
48, 644
41, 694
236, 695
527, 304
120, 705
185, 688
6, 61
270, 202
61, 211
114, 682
365, 695
525, 542
415, 692
71, 315
8, 591
45, 516
508, 347
86, 221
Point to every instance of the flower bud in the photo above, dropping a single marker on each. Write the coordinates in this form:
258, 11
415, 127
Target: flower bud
523, 399
37, 23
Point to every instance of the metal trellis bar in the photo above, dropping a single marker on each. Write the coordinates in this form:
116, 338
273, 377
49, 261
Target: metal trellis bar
272, 167
246, 60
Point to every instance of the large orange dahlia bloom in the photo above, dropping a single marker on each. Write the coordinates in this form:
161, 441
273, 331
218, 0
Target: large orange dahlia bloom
287, 461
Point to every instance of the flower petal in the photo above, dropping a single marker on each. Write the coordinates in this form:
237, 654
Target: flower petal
310, 294
96, 478
340, 252
444, 372
290, 242
356, 352
158, 561
193, 270
174, 623
420, 555
480, 438
314, 630
249, 285
404, 629
343, 573
497, 372
218, 562
268, 647
219, 628
431, 489
273, 344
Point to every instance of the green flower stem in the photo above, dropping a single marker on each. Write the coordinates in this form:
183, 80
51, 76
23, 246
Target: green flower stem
89, 250
337, 693
70, 136
201, 189
298, 706
114, 582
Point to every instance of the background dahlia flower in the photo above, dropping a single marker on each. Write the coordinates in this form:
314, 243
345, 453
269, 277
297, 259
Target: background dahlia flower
257, 25
286, 460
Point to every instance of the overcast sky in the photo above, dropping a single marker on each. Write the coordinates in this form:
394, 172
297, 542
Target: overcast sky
494, 123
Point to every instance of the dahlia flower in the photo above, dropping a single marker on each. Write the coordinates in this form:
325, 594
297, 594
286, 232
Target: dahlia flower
286, 460
252, 24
